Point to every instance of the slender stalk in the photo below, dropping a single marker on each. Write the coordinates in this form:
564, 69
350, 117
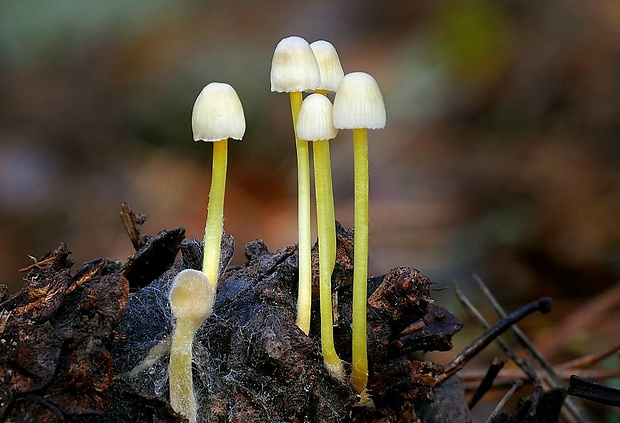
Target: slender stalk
332, 253
304, 296
182, 397
326, 216
359, 373
215, 212
327, 250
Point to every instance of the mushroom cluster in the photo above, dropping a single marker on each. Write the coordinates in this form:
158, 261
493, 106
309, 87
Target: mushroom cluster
358, 105
297, 67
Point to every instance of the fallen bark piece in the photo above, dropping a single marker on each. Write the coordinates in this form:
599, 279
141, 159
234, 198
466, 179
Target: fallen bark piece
54, 357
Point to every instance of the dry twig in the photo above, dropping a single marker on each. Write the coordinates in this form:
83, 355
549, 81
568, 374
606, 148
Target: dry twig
577, 411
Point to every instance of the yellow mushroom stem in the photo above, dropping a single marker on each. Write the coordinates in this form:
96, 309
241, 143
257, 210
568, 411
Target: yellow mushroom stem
359, 371
332, 253
182, 397
215, 212
304, 296
327, 252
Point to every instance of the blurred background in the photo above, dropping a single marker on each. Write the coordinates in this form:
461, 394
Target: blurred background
500, 156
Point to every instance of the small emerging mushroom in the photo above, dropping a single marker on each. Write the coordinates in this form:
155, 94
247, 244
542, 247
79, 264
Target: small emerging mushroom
359, 106
315, 124
191, 299
217, 116
294, 69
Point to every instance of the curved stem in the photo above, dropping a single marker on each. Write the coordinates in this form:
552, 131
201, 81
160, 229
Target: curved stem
327, 252
359, 373
215, 212
304, 296
182, 397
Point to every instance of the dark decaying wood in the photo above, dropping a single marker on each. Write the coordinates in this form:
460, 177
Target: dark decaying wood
80, 347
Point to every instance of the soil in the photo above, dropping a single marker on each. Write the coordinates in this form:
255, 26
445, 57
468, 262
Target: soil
92, 346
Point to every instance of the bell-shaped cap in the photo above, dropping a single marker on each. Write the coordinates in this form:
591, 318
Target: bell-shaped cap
294, 67
192, 297
329, 65
358, 103
315, 121
218, 114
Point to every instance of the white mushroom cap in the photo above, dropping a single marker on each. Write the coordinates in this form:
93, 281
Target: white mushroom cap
192, 297
329, 65
218, 114
315, 121
358, 103
294, 67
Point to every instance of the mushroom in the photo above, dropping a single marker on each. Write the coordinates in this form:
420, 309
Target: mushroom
191, 300
331, 73
329, 66
315, 124
217, 116
358, 105
294, 69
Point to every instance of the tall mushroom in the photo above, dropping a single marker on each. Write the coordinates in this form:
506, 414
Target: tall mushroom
359, 106
315, 124
217, 116
331, 75
294, 69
